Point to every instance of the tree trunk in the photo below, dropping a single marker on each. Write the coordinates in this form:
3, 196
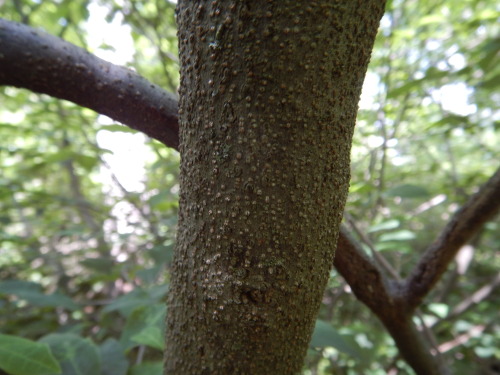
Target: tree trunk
269, 94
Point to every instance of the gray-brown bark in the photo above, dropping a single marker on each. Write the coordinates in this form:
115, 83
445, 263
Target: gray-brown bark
269, 94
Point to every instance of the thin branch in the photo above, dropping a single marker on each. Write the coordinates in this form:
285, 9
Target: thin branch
385, 299
463, 338
466, 222
43, 63
379, 258
478, 296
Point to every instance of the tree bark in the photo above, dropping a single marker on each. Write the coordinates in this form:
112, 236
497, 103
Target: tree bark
269, 94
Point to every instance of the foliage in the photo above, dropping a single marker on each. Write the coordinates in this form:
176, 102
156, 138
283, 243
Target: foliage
85, 246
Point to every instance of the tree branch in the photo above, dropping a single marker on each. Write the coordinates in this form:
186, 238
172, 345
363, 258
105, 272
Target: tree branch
363, 276
385, 299
466, 222
43, 63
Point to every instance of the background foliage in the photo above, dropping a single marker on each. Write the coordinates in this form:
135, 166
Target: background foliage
88, 208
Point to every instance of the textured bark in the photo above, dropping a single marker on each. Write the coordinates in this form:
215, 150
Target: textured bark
40, 62
269, 94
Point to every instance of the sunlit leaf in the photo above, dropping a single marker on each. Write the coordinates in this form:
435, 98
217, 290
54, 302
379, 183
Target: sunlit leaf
400, 235
118, 128
440, 309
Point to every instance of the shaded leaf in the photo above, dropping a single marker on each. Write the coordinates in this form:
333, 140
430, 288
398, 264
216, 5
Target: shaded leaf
113, 358
147, 368
151, 336
77, 356
127, 303
325, 335
140, 320
19, 356
19, 288
34, 295
103, 265
408, 191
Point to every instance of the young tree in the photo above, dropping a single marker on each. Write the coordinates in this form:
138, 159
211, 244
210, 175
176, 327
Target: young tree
268, 100
267, 111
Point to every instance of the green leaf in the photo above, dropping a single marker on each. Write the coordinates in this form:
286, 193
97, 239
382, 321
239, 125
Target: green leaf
440, 309
86, 161
19, 356
492, 83
113, 359
159, 198
77, 356
400, 235
59, 156
138, 323
150, 275
401, 247
431, 19
385, 225
151, 336
450, 122
431, 74
19, 288
127, 303
408, 191
162, 253
33, 294
325, 335
404, 89
55, 300
147, 368
118, 128
164, 200
103, 265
